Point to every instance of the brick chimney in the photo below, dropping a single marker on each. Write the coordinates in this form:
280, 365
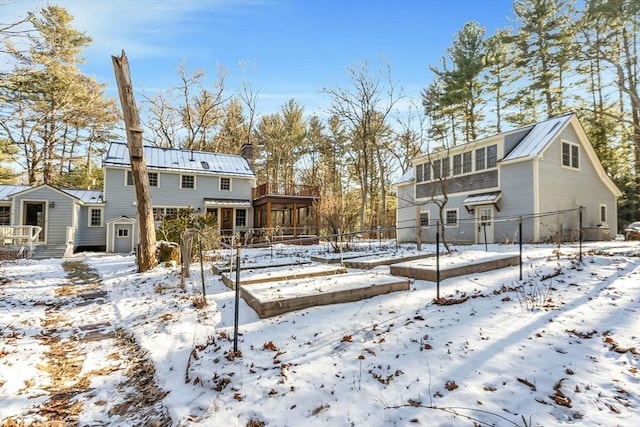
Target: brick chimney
246, 151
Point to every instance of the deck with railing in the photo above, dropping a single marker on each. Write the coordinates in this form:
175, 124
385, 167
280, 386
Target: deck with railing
286, 190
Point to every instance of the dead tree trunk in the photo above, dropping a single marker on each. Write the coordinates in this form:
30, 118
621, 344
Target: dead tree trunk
146, 231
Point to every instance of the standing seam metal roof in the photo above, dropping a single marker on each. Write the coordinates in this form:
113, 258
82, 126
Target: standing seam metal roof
181, 160
539, 137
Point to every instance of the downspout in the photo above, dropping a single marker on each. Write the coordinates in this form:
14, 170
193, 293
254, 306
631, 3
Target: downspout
536, 199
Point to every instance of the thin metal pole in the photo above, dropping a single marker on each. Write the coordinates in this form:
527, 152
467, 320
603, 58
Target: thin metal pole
236, 319
438, 261
204, 293
580, 235
484, 229
520, 244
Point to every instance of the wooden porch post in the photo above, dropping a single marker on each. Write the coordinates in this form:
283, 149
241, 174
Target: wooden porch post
268, 223
295, 221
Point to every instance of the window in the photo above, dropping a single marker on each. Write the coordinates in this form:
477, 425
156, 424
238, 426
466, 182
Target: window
153, 178
5, 215
158, 213
457, 164
95, 217
451, 217
445, 167
480, 159
492, 156
225, 184
466, 162
437, 169
123, 232
570, 155
419, 173
424, 219
241, 217
188, 181
426, 172
213, 212
603, 214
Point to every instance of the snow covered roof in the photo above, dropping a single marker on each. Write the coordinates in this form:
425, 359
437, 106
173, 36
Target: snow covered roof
539, 137
406, 178
227, 202
181, 160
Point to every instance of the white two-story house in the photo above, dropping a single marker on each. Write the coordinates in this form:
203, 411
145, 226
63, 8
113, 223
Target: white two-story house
543, 173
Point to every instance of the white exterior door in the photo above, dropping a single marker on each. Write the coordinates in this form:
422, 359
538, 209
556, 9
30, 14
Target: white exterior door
484, 221
123, 238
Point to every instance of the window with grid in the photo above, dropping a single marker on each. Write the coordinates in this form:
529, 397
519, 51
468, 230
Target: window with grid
492, 156
153, 179
480, 159
241, 217
5, 215
419, 173
424, 219
95, 217
188, 181
451, 217
225, 184
466, 162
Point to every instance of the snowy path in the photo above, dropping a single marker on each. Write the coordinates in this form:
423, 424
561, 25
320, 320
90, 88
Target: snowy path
78, 355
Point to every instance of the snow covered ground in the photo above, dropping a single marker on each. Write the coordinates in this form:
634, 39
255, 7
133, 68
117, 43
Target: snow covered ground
559, 347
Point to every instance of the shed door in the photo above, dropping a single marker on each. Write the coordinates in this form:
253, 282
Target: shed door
123, 238
485, 225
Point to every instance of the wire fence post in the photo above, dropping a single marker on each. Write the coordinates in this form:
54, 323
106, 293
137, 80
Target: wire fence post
484, 231
204, 293
580, 234
520, 244
438, 260
237, 308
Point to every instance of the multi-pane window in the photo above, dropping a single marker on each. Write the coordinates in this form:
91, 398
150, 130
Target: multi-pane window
419, 177
153, 178
95, 217
570, 155
424, 219
492, 156
225, 184
445, 167
480, 159
457, 164
5, 215
451, 217
188, 181
466, 162
123, 232
241, 217
213, 212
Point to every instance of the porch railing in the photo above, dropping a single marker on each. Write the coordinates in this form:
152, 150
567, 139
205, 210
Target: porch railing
20, 235
289, 189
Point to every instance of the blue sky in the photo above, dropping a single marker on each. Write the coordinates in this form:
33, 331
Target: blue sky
294, 48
